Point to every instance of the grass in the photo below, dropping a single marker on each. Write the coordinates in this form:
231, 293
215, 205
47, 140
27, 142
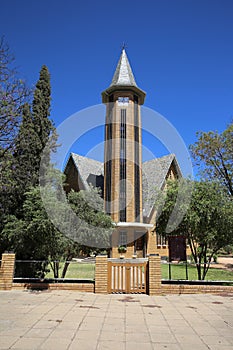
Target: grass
77, 270
179, 272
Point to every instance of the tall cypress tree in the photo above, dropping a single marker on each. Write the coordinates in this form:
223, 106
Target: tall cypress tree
27, 152
43, 126
41, 107
36, 131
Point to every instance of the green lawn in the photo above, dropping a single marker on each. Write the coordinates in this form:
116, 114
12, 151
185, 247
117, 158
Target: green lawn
178, 271
77, 270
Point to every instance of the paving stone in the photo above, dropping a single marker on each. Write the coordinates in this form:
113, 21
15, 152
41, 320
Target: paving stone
55, 343
56, 320
163, 338
138, 337
38, 333
110, 345
138, 346
28, 343
215, 340
83, 344
7, 341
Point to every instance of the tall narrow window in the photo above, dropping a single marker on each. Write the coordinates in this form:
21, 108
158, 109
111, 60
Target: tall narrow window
108, 138
136, 161
122, 238
122, 200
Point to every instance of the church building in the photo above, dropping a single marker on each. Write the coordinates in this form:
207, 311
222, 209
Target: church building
128, 184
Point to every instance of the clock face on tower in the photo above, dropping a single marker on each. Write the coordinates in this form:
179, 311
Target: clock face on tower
123, 101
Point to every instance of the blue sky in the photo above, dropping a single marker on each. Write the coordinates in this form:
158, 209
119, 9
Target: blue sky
181, 53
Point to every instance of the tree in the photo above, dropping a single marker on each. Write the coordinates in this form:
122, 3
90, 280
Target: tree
13, 94
95, 226
215, 151
35, 237
35, 131
27, 150
207, 224
41, 107
8, 183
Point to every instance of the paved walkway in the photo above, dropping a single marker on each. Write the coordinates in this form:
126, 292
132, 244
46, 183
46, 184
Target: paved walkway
70, 320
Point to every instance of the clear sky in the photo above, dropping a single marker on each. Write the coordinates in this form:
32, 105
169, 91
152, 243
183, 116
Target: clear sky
181, 53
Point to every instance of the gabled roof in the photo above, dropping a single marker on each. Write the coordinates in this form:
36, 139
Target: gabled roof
86, 167
154, 174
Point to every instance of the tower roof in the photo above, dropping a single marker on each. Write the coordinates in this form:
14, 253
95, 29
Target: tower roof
123, 79
123, 74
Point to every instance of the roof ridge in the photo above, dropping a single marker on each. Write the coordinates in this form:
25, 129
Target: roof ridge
79, 155
170, 155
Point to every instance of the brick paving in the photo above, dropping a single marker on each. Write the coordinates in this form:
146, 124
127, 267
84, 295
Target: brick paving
72, 320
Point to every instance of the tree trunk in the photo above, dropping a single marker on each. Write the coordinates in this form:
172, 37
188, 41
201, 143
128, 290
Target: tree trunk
65, 268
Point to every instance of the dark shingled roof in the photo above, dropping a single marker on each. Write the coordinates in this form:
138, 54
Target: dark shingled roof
87, 167
154, 174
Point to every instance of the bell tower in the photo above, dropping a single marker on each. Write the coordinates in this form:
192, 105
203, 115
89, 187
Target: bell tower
123, 158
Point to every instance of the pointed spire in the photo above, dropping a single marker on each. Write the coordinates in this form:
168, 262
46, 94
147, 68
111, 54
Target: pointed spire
123, 74
123, 80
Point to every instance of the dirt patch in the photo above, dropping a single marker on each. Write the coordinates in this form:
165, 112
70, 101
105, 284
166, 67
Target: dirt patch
224, 263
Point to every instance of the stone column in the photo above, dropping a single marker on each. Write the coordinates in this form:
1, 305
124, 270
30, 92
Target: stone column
7, 271
101, 274
155, 274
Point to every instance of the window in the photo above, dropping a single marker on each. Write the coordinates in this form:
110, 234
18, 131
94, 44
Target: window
122, 189
108, 164
161, 240
122, 238
136, 161
122, 101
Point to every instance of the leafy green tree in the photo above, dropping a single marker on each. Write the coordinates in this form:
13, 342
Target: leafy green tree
213, 153
35, 238
8, 182
95, 226
207, 224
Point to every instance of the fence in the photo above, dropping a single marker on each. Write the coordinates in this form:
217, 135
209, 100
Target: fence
146, 278
56, 270
185, 271
127, 276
